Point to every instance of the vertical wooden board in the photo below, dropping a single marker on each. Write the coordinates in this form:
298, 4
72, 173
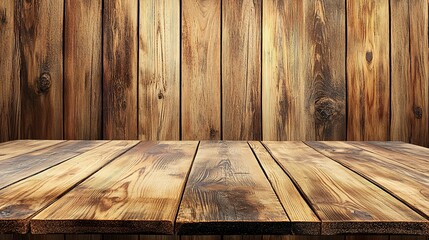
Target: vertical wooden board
241, 70
82, 69
368, 76
46, 237
419, 85
201, 110
301, 237
120, 69
41, 68
120, 237
83, 237
303, 71
159, 66
401, 89
367, 237
9, 73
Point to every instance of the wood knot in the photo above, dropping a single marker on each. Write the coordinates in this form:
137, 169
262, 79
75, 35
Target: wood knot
324, 109
369, 56
418, 112
3, 19
212, 133
44, 83
160, 95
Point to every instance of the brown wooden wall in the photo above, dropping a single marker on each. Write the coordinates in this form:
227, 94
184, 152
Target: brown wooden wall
215, 69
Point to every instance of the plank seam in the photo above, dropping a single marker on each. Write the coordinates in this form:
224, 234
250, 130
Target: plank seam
346, 71
221, 70
180, 70
389, 135
138, 72
376, 184
78, 182
303, 195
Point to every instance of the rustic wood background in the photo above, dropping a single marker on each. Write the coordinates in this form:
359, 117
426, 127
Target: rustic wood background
215, 69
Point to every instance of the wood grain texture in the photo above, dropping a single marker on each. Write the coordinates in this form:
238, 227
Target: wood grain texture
21, 201
138, 192
83, 69
10, 104
19, 147
368, 67
406, 181
345, 202
241, 70
419, 85
17, 168
405, 148
303, 71
41, 68
83, 237
300, 237
223, 194
304, 220
159, 66
201, 71
120, 40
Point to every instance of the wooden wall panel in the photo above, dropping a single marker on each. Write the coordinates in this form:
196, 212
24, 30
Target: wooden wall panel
82, 69
303, 71
120, 23
241, 69
159, 66
368, 69
41, 68
201, 110
9, 73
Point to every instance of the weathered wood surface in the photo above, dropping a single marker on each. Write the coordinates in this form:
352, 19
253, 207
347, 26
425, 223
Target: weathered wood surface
138, 192
201, 70
368, 70
304, 220
400, 175
17, 168
120, 40
19, 147
405, 148
223, 194
40, 43
159, 66
83, 69
344, 201
241, 70
20, 201
303, 71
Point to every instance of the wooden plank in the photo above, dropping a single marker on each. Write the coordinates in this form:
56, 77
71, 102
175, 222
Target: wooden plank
303, 71
120, 23
303, 219
21, 201
83, 69
17, 168
301, 237
139, 192
201, 111
345, 202
41, 68
401, 88
228, 193
83, 237
408, 182
368, 67
241, 70
19, 147
159, 66
405, 148
368, 237
419, 86
9, 101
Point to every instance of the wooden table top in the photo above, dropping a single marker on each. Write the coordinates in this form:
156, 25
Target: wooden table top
225, 187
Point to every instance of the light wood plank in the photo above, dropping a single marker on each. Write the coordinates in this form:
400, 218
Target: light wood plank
17, 168
10, 104
368, 77
159, 66
41, 68
228, 193
405, 148
19, 202
83, 69
19, 147
139, 192
408, 182
303, 71
201, 72
120, 40
303, 219
241, 70
345, 202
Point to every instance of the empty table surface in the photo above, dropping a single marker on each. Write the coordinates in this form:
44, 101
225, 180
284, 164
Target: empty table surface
214, 187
